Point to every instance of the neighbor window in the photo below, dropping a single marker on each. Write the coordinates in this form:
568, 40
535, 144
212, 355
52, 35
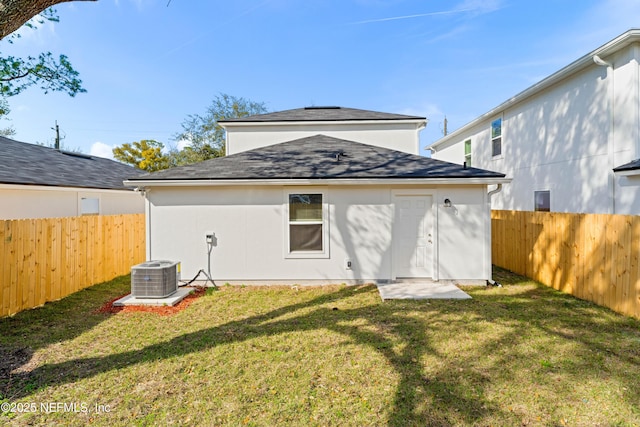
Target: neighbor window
496, 137
542, 201
89, 206
306, 224
467, 152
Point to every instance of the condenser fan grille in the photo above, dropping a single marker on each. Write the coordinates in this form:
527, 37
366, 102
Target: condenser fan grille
154, 279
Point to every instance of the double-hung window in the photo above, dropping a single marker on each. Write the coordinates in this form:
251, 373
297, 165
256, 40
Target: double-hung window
307, 224
496, 137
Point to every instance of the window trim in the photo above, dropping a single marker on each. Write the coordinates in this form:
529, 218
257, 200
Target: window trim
324, 253
468, 156
495, 138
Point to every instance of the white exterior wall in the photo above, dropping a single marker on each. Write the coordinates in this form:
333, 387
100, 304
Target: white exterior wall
401, 136
249, 226
26, 201
566, 139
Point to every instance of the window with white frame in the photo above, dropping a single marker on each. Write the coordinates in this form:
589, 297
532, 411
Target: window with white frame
467, 152
542, 201
496, 137
307, 224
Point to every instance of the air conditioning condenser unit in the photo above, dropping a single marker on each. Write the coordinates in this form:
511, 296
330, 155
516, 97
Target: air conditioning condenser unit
155, 279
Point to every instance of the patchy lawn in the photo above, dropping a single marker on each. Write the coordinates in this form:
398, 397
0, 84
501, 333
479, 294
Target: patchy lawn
523, 354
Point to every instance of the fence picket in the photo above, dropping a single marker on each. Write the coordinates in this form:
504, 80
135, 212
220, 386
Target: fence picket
595, 257
47, 259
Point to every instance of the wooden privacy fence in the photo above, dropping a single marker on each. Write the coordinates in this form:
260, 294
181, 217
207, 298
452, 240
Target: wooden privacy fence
591, 256
47, 259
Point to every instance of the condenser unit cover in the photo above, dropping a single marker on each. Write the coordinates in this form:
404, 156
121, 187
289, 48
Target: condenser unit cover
154, 279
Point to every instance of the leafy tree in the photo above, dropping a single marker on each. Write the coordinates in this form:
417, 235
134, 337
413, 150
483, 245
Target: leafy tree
145, 154
50, 73
17, 74
203, 133
4, 111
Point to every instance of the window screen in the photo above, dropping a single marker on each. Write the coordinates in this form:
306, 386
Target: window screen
305, 222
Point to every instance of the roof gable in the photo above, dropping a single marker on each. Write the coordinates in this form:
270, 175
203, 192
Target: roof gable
29, 164
318, 157
321, 114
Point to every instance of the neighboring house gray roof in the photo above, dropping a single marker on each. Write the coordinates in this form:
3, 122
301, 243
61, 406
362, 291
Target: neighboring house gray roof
29, 164
634, 165
321, 114
318, 157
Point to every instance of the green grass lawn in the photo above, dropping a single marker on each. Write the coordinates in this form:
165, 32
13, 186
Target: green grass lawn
522, 354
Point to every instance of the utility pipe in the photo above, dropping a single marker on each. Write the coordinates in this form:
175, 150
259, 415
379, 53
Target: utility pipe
490, 281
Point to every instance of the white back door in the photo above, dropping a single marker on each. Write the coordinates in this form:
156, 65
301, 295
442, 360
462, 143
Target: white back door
413, 236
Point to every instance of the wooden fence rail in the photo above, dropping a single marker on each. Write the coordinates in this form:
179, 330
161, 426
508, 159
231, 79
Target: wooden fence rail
591, 256
47, 259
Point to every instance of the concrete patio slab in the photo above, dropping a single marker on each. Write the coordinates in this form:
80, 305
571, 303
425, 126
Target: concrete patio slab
421, 290
171, 300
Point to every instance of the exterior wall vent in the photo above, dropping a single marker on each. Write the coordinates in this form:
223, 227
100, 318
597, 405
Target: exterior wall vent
155, 279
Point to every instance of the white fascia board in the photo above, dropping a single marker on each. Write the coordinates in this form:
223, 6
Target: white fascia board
419, 123
611, 47
33, 187
281, 182
631, 172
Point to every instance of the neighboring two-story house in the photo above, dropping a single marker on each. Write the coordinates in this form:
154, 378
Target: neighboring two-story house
571, 142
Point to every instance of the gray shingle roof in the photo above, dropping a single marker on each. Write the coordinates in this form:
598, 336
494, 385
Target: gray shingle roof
321, 114
634, 165
22, 163
319, 157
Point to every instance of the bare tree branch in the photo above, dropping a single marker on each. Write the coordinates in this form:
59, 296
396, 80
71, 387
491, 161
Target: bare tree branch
15, 13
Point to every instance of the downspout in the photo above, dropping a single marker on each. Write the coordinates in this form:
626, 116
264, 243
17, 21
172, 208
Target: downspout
490, 281
610, 143
421, 126
149, 258
147, 211
492, 192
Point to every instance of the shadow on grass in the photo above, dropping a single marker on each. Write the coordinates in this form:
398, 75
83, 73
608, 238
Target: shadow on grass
420, 399
23, 334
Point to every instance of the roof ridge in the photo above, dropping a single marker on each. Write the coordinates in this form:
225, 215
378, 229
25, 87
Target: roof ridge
318, 157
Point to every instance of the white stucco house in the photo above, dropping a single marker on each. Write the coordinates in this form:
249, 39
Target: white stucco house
295, 200
570, 142
42, 182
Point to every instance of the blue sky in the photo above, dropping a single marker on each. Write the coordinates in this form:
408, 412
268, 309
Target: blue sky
148, 64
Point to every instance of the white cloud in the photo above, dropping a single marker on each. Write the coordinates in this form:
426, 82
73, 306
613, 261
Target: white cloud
100, 149
180, 145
